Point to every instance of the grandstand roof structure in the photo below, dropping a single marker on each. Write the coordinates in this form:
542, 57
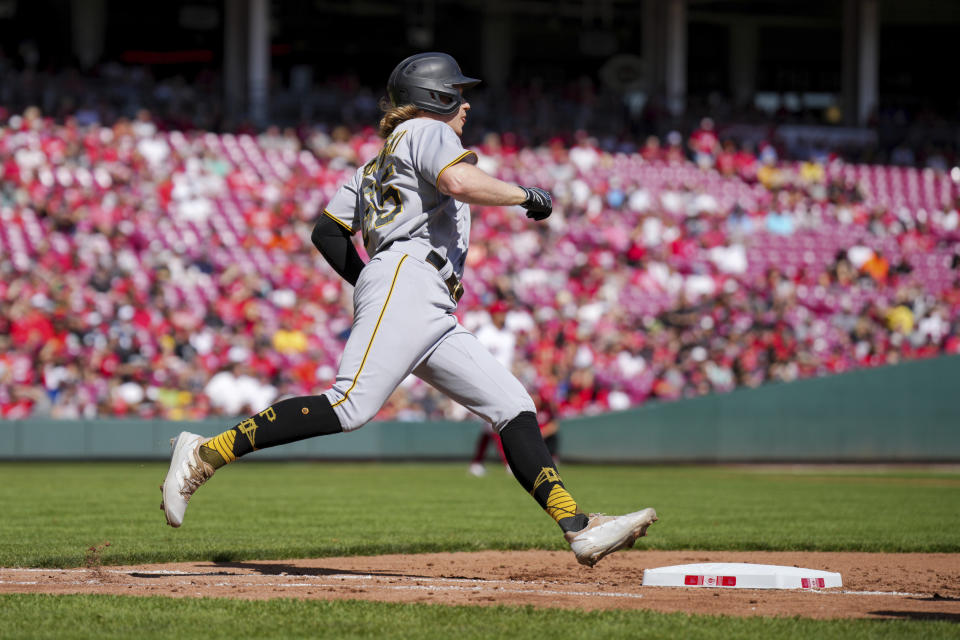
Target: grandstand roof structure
853, 55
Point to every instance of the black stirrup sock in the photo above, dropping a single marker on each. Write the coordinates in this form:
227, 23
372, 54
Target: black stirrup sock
285, 421
533, 467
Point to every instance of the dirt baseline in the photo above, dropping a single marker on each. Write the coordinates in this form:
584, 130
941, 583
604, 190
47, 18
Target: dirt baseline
909, 586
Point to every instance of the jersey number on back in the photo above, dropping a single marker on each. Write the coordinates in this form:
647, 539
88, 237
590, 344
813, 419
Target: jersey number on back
381, 202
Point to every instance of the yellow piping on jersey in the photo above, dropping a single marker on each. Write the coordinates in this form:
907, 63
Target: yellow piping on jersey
337, 220
455, 161
377, 326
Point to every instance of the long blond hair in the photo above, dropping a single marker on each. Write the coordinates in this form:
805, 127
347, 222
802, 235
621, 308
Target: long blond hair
393, 116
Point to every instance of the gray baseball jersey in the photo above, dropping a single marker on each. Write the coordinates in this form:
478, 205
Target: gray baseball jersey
403, 308
394, 197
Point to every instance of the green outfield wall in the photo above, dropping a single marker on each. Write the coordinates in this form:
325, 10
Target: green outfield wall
908, 412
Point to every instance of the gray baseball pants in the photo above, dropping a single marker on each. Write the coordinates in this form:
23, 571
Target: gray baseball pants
404, 323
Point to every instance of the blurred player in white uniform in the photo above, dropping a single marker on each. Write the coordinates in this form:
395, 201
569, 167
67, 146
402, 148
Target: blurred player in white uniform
501, 342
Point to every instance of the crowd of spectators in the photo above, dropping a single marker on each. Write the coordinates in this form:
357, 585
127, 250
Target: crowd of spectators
157, 273
534, 111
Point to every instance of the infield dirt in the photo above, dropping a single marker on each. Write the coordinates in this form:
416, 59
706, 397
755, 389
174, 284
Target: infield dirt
908, 586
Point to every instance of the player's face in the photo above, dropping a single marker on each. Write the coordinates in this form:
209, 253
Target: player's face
459, 118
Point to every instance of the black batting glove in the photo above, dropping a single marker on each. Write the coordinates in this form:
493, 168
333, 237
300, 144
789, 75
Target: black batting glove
539, 204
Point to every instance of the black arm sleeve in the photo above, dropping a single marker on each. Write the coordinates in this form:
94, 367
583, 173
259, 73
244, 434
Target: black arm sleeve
333, 241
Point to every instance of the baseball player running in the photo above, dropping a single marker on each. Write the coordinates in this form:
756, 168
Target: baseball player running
411, 204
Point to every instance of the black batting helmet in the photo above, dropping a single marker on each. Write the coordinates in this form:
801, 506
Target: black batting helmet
425, 80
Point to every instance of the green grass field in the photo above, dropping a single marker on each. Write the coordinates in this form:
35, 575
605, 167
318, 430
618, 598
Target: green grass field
54, 512
102, 617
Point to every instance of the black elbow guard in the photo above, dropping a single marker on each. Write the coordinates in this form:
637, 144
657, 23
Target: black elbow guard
324, 228
333, 242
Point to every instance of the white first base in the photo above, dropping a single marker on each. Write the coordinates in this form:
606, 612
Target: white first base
740, 575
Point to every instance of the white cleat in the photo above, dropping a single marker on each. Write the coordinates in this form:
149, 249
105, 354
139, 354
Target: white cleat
187, 472
605, 534
477, 469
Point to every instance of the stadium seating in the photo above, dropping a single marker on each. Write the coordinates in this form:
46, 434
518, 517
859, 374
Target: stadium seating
170, 274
